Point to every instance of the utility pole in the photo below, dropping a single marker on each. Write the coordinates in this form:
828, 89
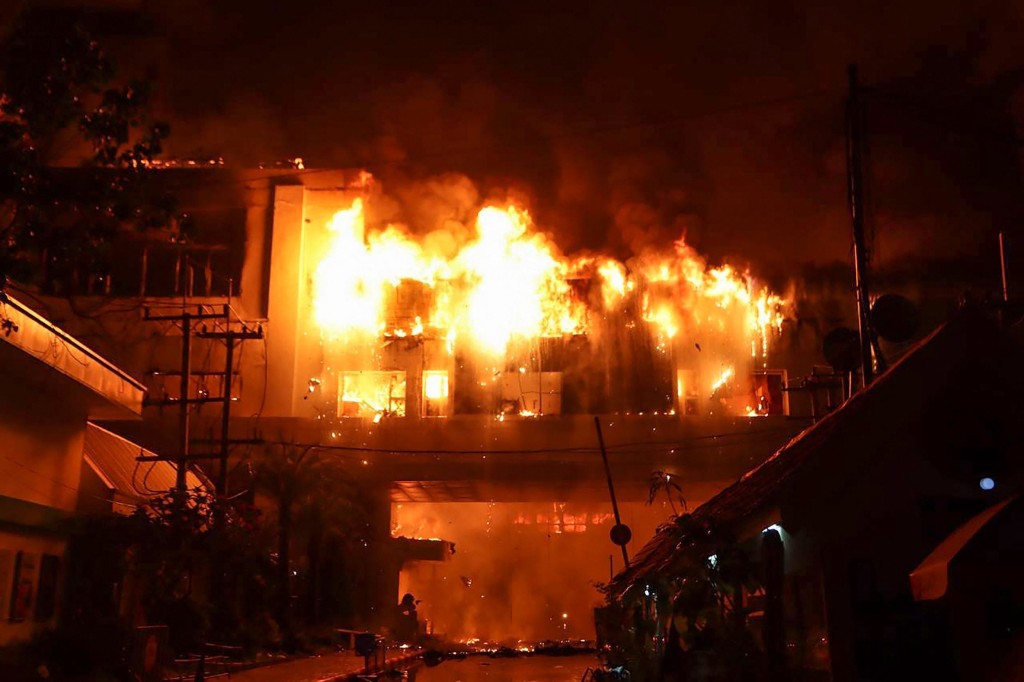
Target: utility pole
185, 401
1002, 268
186, 318
854, 162
183, 407
621, 534
229, 337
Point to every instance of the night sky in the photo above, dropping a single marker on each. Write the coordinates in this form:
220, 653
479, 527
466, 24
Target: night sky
622, 125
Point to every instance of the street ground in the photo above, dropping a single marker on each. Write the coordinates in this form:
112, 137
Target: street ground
338, 666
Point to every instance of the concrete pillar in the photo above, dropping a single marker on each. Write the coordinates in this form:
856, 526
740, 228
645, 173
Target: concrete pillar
383, 563
284, 301
300, 238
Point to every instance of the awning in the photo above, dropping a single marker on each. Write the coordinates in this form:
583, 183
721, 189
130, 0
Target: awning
34, 352
931, 578
115, 460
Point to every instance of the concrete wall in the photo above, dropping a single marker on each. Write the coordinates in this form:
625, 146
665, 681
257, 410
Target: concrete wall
40, 465
41, 457
301, 215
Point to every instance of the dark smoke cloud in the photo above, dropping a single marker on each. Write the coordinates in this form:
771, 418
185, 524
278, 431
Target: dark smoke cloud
622, 125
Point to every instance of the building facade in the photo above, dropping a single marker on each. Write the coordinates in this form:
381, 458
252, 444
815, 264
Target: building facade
51, 387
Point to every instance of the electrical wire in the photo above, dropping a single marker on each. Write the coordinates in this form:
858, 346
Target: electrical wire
74, 489
541, 451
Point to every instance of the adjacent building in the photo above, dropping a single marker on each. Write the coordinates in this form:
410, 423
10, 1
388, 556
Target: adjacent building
55, 462
897, 517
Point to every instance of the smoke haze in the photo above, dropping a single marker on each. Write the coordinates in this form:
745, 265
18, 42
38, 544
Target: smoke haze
621, 125
517, 567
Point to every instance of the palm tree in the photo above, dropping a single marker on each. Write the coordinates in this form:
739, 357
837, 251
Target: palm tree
662, 481
326, 520
288, 473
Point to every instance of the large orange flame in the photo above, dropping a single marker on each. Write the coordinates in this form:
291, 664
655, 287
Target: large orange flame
510, 283
516, 283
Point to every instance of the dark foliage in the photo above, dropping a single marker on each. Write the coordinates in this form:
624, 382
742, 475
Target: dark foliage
321, 509
187, 560
59, 107
692, 621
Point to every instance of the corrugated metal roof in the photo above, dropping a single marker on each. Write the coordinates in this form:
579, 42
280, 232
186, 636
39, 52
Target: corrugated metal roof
116, 460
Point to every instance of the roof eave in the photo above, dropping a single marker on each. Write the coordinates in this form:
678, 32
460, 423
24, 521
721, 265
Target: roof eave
117, 395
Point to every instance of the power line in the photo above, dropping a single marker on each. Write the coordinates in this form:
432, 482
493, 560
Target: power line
540, 451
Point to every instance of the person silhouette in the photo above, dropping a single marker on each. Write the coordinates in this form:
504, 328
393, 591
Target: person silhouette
407, 624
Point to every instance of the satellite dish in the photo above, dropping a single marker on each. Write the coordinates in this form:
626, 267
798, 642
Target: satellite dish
842, 349
894, 318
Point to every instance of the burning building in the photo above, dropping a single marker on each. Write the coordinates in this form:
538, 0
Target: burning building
494, 320
453, 357
463, 362
452, 363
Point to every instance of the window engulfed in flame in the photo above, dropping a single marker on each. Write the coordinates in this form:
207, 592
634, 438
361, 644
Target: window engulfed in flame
435, 393
371, 394
727, 374
360, 271
687, 395
506, 283
435, 385
516, 284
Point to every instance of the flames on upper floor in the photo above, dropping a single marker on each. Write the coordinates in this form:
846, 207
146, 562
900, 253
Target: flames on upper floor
497, 320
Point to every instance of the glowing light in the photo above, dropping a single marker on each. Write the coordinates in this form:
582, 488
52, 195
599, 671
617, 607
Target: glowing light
987, 483
352, 282
435, 385
751, 412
